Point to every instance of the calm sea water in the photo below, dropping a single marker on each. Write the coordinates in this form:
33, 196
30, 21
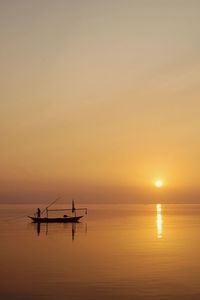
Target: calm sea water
116, 252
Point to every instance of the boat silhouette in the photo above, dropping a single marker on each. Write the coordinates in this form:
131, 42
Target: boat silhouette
65, 219
55, 220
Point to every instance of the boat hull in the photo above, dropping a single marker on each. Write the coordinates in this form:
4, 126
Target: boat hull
56, 220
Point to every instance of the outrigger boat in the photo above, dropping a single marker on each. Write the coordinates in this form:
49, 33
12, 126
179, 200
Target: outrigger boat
64, 219
55, 220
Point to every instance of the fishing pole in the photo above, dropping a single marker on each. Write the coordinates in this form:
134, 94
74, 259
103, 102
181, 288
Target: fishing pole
24, 216
51, 204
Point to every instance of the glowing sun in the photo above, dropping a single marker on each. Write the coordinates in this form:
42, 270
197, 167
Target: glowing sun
158, 183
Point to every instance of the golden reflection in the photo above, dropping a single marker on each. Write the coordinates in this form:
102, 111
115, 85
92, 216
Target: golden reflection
159, 221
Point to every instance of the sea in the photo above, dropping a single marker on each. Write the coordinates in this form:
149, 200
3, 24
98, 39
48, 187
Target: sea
118, 251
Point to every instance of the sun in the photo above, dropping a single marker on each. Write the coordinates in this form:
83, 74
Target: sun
158, 183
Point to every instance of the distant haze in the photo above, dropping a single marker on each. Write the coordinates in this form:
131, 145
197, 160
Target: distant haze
98, 99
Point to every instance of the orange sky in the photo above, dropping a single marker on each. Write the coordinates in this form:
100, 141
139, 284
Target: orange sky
100, 96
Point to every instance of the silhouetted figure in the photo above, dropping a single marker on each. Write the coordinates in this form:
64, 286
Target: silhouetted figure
38, 212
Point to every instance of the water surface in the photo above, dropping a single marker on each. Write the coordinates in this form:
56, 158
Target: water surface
116, 252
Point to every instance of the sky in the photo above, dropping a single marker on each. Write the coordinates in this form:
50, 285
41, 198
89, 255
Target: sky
98, 99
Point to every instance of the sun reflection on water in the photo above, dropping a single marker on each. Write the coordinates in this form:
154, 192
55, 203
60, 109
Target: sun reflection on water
159, 221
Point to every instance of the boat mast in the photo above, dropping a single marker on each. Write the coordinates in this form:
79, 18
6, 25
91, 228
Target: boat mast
73, 208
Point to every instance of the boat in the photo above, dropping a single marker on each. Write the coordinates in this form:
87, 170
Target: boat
65, 219
56, 220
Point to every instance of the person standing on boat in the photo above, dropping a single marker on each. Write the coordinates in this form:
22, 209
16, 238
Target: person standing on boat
38, 212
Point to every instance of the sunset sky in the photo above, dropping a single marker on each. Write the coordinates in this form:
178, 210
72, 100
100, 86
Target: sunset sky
100, 99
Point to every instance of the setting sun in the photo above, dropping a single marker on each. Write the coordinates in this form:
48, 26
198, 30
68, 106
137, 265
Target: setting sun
158, 183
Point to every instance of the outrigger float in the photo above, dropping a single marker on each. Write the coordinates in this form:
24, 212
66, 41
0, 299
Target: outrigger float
65, 219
